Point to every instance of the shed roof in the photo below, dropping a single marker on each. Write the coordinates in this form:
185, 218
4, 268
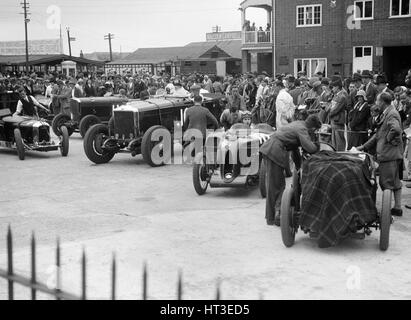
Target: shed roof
193, 51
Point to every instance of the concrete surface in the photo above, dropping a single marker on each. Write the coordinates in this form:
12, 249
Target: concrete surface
153, 215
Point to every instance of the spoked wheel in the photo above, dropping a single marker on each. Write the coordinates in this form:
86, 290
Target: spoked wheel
385, 220
21, 152
287, 218
200, 174
93, 143
64, 147
157, 152
262, 179
59, 121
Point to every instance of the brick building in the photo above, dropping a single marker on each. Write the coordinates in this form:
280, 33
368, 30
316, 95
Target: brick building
333, 37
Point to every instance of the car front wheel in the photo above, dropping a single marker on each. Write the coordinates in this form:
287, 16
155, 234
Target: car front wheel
156, 146
93, 144
59, 121
65, 142
86, 123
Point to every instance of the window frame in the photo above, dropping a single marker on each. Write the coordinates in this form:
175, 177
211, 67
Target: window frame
363, 51
363, 18
309, 74
399, 16
313, 6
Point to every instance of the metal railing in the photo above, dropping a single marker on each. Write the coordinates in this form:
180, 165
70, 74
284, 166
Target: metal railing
12, 278
253, 37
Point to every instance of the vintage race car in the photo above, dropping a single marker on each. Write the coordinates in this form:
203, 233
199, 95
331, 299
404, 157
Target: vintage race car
86, 112
232, 159
138, 127
29, 134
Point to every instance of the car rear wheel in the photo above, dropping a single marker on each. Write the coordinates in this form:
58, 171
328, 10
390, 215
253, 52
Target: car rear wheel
157, 152
86, 123
385, 220
287, 218
93, 143
59, 121
200, 174
65, 141
19, 144
262, 181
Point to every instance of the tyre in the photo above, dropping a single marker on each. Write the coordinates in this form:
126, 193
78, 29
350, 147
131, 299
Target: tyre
58, 121
287, 218
93, 142
262, 179
385, 220
290, 168
163, 145
111, 126
296, 186
86, 123
65, 141
21, 152
200, 174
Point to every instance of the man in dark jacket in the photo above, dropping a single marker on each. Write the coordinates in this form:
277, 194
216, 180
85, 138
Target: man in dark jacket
390, 149
369, 87
276, 156
197, 117
338, 113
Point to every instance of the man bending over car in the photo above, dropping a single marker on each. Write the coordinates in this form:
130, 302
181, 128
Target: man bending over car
276, 156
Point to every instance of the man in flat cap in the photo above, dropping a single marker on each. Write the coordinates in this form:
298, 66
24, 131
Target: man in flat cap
338, 113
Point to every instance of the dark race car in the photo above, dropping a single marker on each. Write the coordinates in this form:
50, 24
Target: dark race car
29, 134
86, 112
232, 159
139, 127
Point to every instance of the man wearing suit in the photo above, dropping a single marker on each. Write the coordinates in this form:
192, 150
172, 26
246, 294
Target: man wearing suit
276, 156
382, 86
390, 149
338, 113
358, 121
369, 88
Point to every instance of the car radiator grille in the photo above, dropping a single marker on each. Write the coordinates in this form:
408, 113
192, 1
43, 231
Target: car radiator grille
124, 124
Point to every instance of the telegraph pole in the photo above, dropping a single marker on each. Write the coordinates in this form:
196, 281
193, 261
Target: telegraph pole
109, 37
25, 5
69, 40
273, 38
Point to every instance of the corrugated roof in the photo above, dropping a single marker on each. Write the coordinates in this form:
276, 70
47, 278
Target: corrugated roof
105, 56
191, 51
39, 59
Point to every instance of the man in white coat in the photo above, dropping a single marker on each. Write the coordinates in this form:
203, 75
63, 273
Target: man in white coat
284, 106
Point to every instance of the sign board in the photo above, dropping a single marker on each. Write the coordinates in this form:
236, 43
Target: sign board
379, 51
16, 48
233, 35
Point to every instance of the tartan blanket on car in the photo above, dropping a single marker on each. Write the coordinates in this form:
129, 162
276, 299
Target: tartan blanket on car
336, 196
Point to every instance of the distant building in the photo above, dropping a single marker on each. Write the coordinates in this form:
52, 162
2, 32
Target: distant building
211, 57
48, 62
332, 37
46, 46
105, 56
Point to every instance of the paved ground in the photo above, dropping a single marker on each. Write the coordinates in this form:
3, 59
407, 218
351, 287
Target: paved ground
154, 216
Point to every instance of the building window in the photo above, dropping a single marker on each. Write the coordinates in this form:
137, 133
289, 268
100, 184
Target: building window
187, 64
364, 10
203, 63
214, 54
309, 16
400, 8
311, 66
360, 52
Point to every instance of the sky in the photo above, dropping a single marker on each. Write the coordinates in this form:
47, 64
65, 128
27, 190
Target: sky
134, 23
